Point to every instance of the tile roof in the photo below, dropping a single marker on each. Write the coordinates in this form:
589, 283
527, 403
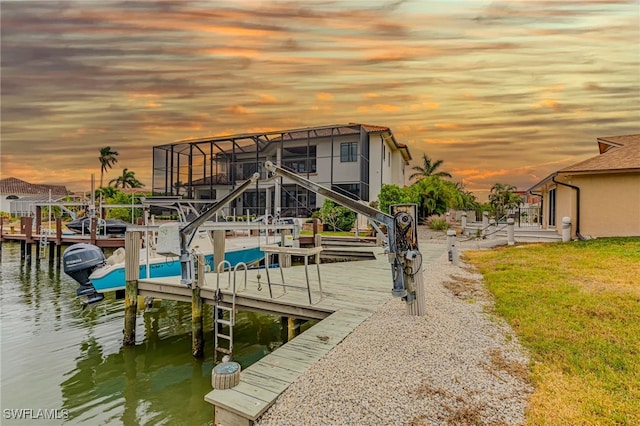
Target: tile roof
617, 153
11, 185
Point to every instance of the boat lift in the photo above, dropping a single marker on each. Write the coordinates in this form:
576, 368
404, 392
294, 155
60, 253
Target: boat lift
402, 241
401, 230
188, 232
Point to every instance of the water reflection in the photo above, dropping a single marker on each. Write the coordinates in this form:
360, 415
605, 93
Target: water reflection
57, 356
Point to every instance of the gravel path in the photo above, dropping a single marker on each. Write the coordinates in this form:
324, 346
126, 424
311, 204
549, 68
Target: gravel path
457, 365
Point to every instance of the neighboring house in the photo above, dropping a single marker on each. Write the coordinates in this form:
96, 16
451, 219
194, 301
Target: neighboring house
18, 197
355, 159
600, 195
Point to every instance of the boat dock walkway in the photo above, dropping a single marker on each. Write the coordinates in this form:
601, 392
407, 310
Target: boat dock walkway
351, 292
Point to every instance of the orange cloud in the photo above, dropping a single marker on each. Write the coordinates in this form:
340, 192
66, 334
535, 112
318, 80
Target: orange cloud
450, 126
424, 105
236, 109
432, 141
323, 96
268, 99
378, 107
225, 51
548, 103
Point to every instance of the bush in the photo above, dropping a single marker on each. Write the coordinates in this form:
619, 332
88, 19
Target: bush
336, 217
439, 224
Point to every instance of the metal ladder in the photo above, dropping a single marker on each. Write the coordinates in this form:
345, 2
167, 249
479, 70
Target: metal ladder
44, 241
224, 316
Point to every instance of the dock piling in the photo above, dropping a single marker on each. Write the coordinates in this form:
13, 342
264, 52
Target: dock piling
132, 274
197, 334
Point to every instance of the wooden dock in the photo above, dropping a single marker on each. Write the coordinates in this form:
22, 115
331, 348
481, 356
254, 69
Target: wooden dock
352, 291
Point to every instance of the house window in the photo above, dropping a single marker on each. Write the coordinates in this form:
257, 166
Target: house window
348, 152
552, 207
351, 190
300, 159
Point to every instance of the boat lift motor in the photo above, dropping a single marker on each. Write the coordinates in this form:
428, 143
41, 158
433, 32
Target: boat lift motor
402, 245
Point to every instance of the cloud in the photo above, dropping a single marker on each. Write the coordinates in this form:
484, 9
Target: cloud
325, 97
492, 87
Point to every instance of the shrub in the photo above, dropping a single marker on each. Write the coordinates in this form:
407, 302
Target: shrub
338, 218
439, 224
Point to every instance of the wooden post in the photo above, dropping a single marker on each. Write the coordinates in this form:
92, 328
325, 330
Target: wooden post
284, 259
58, 239
218, 247
197, 335
317, 242
26, 228
52, 252
58, 230
284, 334
94, 229
293, 328
418, 307
58, 255
39, 219
132, 274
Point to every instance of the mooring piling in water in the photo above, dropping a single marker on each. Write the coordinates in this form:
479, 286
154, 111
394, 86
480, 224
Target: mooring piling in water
132, 274
197, 333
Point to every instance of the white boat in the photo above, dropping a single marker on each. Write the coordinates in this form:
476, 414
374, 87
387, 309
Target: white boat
96, 274
110, 277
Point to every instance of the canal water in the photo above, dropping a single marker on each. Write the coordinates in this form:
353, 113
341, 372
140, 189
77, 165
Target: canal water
64, 365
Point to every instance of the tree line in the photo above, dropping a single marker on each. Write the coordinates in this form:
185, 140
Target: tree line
434, 194
432, 191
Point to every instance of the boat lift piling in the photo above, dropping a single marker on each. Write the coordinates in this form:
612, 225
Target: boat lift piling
132, 274
197, 333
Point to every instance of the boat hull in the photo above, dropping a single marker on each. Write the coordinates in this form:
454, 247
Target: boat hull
112, 277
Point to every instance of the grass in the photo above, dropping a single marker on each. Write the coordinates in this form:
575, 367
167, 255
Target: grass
576, 307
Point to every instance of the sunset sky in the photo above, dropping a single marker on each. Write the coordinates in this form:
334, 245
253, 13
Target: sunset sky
502, 91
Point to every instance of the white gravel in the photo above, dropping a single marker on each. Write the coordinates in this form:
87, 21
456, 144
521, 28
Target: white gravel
458, 365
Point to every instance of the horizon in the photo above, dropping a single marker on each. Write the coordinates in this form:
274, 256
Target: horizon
501, 91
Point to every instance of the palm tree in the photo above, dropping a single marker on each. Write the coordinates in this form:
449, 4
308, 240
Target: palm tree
502, 198
127, 179
428, 169
467, 199
107, 160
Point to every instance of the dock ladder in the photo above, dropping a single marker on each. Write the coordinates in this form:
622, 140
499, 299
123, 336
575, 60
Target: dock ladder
225, 316
44, 241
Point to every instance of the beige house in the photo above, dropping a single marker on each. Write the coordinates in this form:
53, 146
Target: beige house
600, 195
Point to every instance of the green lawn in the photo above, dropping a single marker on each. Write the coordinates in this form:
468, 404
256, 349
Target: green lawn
576, 307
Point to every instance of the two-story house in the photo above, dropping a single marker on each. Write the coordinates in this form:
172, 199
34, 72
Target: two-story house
355, 159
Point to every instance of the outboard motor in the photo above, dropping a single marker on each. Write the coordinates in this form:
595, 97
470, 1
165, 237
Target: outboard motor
79, 261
